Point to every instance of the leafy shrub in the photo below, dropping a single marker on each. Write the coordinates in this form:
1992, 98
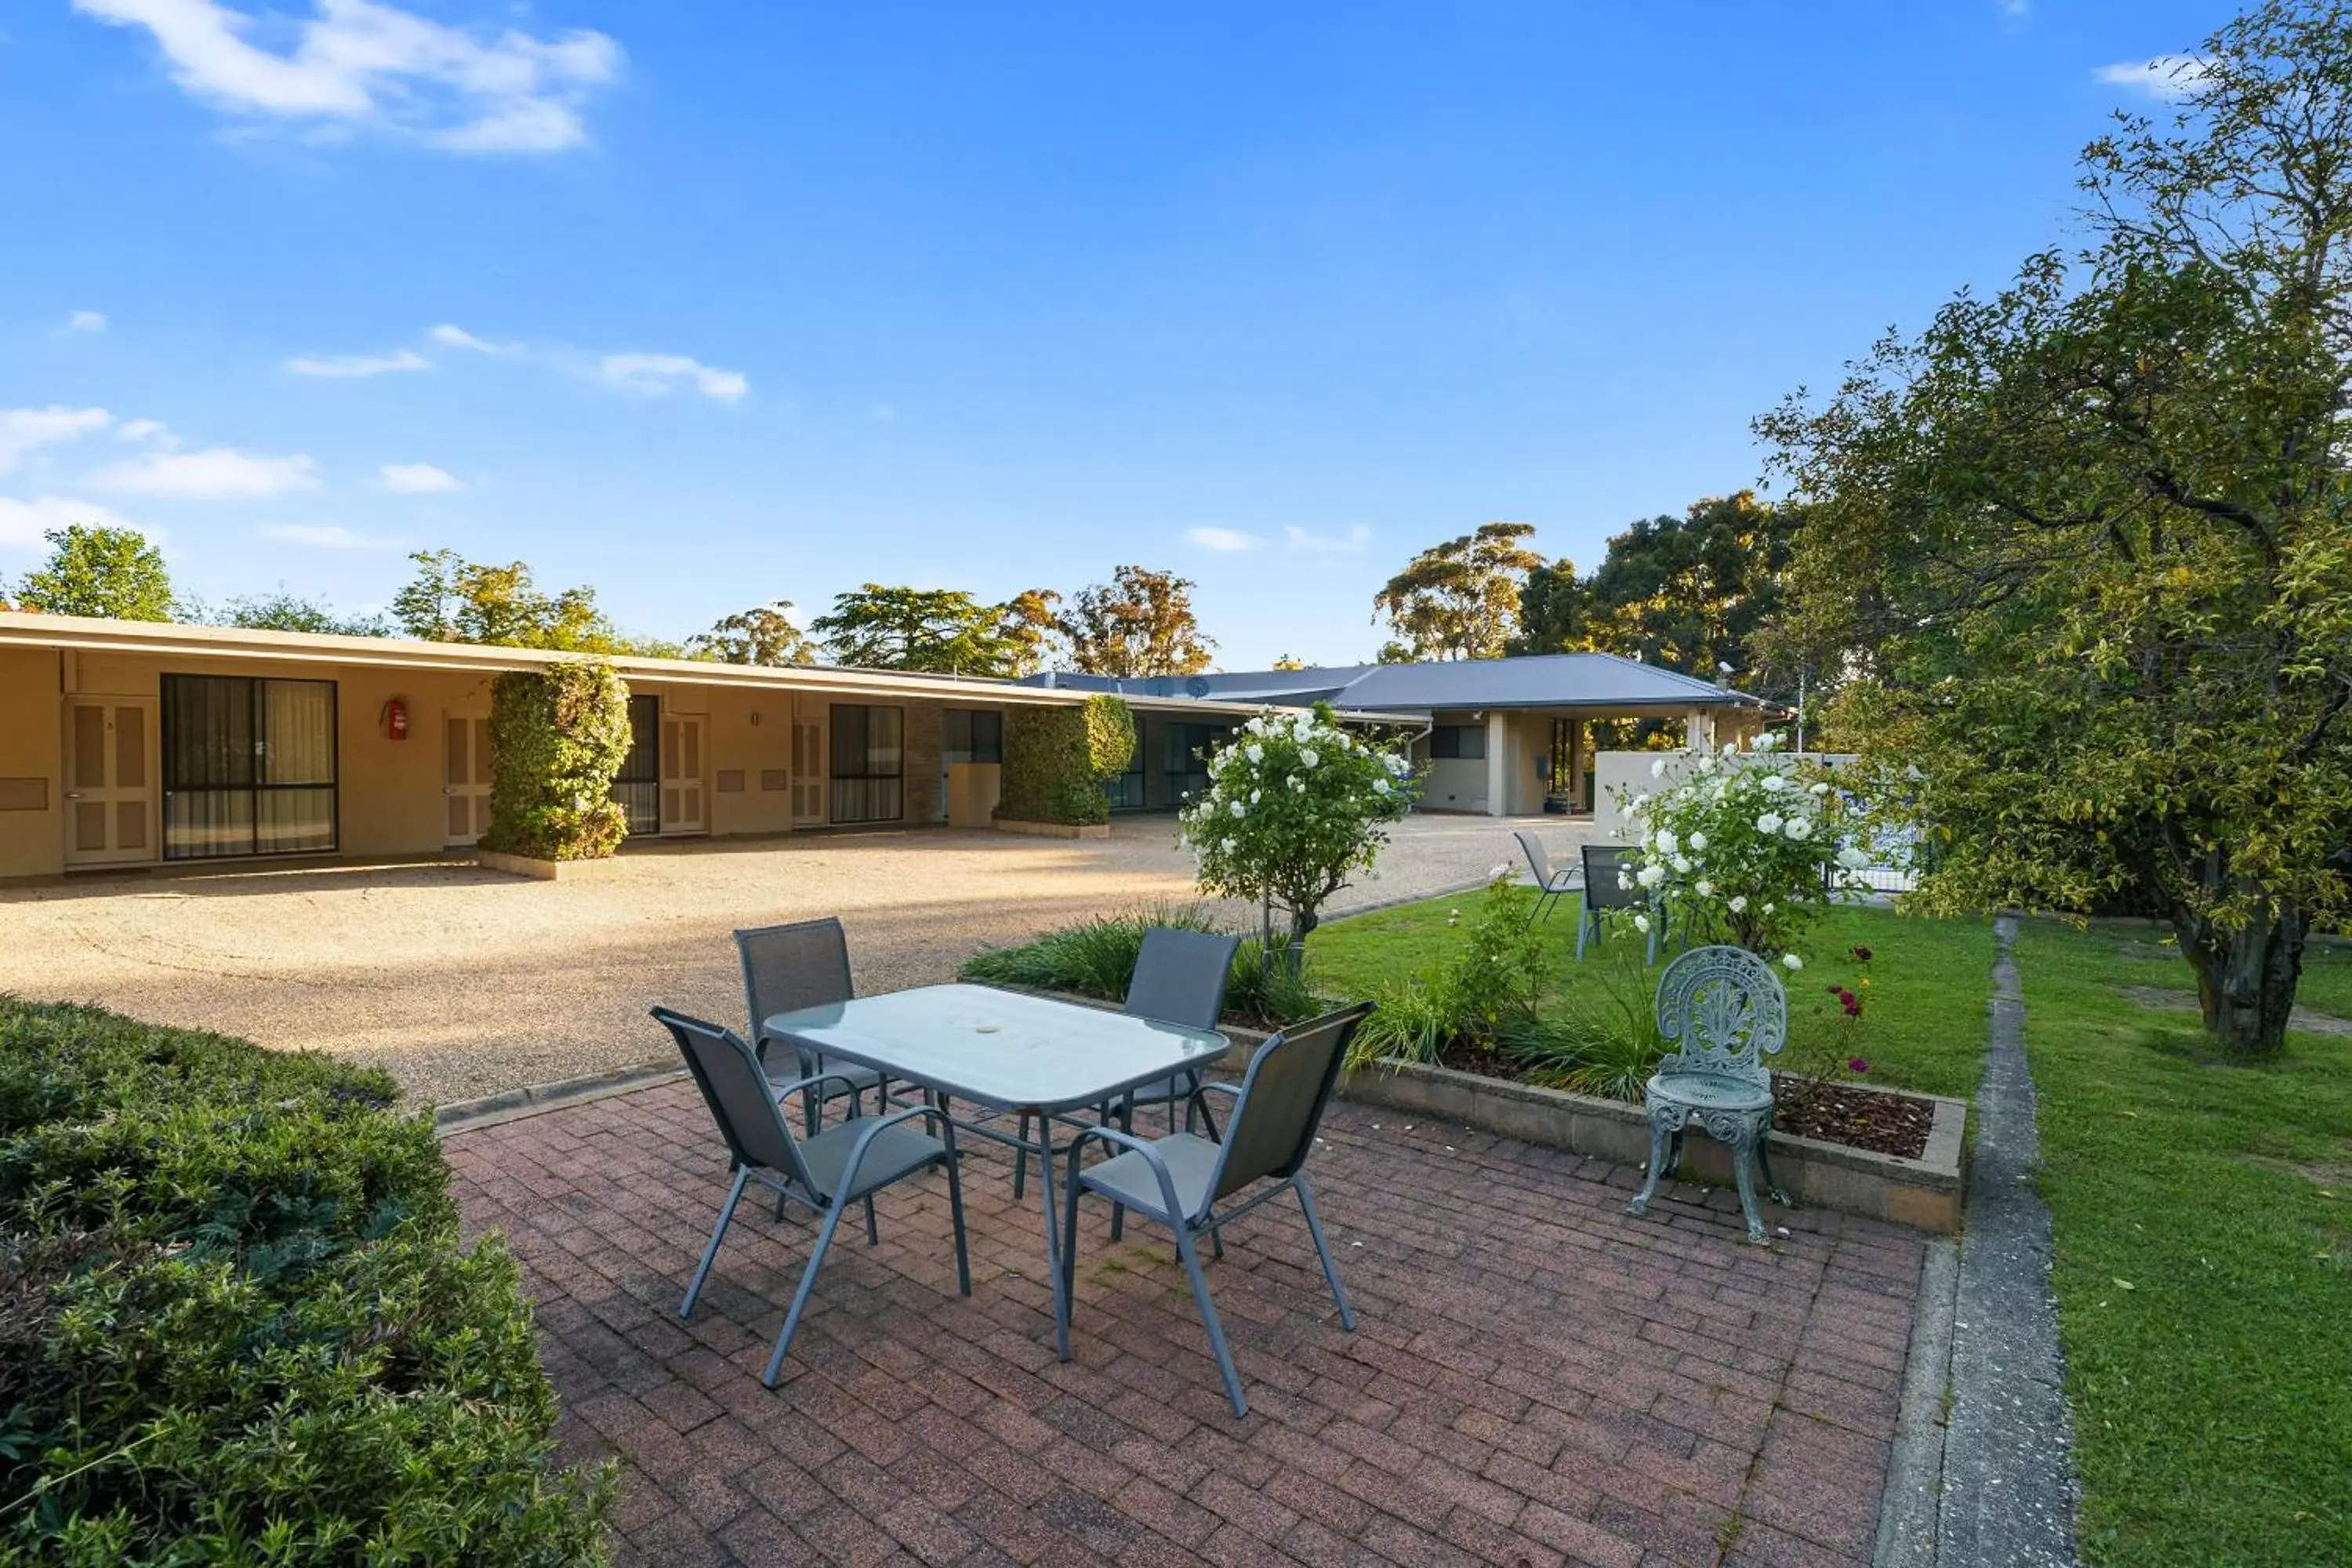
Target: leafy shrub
1056, 760
1472, 999
236, 1324
1411, 1020
1096, 957
1601, 1039
557, 736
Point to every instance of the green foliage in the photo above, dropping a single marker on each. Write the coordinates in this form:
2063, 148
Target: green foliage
452, 599
1056, 760
1097, 958
287, 612
1484, 988
1413, 1020
944, 631
1141, 624
557, 736
108, 571
1293, 808
1602, 1037
238, 1324
2089, 540
1689, 594
1459, 599
762, 634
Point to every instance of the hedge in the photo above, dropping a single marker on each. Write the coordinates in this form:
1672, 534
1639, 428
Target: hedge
238, 1325
557, 736
1056, 760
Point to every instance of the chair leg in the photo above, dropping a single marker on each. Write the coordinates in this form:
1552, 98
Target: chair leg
1651, 958
1217, 1242
1764, 1163
955, 1210
1021, 1159
1066, 1300
1200, 1103
1323, 1251
1641, 1203
1743, 1173
873, 1236
726, 1214
1584, 924
801, 1296
1217, 1347
1127, 1125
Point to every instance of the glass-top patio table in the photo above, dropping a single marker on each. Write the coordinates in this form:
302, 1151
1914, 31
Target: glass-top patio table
1005, 1050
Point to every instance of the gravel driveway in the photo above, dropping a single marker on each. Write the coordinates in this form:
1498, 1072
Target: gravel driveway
461, 982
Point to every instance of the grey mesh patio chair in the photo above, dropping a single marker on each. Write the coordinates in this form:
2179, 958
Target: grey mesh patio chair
1551, 883
1180, 1181
785, 969
824, 1173
1723, 1010
1607, 870
1180, 978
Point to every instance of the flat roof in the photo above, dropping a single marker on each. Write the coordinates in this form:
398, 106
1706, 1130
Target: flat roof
20, 629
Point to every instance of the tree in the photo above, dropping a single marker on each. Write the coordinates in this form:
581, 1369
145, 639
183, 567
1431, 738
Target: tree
1028, 624
764, 634
1459, 599
452, 599
288, 612
1141, 623
1289, 661
945, 631
108, 571
2087, 544
1689, 594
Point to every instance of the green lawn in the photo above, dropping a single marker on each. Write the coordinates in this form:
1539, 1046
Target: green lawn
2203, 1210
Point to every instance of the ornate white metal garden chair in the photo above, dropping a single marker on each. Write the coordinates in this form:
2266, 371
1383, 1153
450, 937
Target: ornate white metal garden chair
1723, 1010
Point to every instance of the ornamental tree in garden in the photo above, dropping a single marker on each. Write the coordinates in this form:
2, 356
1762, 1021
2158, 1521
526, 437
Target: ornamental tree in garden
1295, 806
1741, 849
2088, 542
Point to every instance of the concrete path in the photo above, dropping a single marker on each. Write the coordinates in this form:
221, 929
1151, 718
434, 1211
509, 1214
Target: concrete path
461, 982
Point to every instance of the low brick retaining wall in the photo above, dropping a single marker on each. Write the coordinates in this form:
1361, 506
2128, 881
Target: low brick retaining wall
1054, 829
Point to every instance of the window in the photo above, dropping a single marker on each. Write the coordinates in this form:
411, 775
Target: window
972, 737
248, 766
1125, 788
868, 763
1458, 742
1188, 747
637, 786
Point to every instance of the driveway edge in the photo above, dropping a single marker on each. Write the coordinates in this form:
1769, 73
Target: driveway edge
535, 1099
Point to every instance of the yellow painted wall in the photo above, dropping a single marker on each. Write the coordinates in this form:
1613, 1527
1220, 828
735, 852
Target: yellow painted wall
750, 742
32, 739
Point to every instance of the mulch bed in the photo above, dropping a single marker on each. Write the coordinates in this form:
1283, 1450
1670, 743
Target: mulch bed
1882, 1123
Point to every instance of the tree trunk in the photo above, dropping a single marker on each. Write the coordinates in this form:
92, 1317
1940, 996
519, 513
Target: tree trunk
2246, 978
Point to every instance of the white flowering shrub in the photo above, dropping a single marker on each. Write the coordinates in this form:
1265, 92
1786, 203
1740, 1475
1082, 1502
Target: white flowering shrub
1741, 851
1296, 806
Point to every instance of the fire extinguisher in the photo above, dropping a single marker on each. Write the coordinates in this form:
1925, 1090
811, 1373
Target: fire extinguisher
395, 720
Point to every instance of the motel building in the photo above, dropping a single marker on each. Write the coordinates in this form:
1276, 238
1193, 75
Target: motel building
137, 744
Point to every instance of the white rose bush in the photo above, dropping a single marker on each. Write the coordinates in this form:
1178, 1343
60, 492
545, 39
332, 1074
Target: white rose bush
1293, 808
1743, 850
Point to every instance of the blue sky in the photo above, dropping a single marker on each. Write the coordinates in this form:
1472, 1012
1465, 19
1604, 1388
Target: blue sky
707, 305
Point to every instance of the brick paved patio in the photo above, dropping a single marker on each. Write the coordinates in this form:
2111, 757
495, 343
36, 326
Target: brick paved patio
1535, 1377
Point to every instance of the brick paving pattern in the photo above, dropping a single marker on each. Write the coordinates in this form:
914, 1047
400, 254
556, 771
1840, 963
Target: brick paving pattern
1535, 1377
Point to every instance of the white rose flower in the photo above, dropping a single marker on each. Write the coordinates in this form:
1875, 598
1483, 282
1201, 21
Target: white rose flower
1851, 858
1641, 924
1697, 841
1682, 865
1651, 876
1705, 889
1297, 785
1773, 783
1256, 752
1667, 843
1625, 880
1238, 809
1768, 909
1739, 903
1732, 747
1254, 794
1768, 823
1309, 758
1798, 829
1792, 963
1379, 786
1658, 769
1818, 788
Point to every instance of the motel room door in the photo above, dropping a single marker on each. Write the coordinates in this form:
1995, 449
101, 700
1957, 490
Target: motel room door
682, 806
466, 776
808, 770
110, 780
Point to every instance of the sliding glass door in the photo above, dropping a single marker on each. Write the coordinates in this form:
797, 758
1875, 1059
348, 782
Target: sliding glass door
637, 786
868, 763
248, 766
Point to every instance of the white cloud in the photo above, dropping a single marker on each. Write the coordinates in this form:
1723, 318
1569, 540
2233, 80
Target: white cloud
2165, 76
86, 321
221, 473
417, 480
450, 337
327, 536
1327, 544
146, 430
359, 63
22, 429
1225, 539
655, 375
23, 523
361, 364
